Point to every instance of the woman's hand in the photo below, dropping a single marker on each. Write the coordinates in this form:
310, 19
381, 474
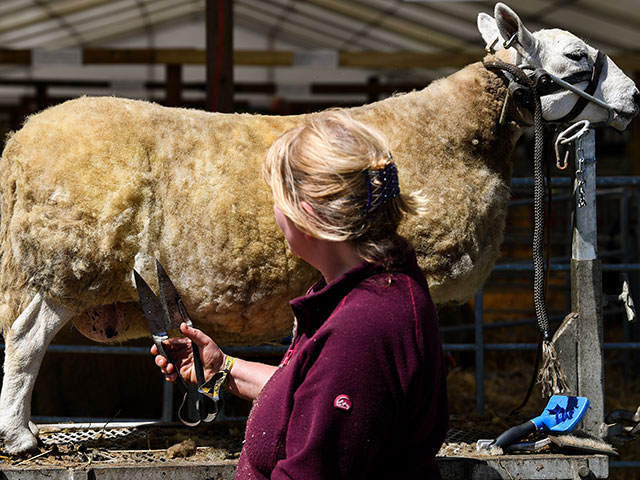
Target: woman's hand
180, 351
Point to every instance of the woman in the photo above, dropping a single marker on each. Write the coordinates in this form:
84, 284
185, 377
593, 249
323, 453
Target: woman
361, 391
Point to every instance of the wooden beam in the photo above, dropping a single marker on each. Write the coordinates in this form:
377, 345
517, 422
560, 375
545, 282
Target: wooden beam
15, 57
173, 85
219, 64
629, 62
109, 56
144, 56
174, 81
408, 59
281, 58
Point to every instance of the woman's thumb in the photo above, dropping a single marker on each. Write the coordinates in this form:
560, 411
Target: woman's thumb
196, 336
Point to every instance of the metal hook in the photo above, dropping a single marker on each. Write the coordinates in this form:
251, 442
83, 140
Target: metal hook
561, 164
511, 41
563, 139
584, 126
489, 48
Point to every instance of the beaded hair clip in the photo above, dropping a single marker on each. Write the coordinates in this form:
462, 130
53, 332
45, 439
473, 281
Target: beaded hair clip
382, 185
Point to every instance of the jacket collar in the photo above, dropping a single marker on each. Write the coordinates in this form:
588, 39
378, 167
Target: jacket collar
312, 309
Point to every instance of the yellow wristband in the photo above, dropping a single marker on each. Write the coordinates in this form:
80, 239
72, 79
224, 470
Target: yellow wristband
212, 387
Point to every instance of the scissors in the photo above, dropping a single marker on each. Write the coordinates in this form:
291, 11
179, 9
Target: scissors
164, 316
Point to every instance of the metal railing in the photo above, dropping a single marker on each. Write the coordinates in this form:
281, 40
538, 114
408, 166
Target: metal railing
620, 184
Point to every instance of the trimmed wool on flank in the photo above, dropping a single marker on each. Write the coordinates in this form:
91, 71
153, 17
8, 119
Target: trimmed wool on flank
95, 186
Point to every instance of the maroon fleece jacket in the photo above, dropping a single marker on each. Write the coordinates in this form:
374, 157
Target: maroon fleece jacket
361, 392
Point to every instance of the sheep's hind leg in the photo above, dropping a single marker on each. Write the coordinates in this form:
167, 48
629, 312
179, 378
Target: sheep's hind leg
26, 343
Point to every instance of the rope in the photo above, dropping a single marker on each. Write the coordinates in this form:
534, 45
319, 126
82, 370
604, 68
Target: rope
550, 376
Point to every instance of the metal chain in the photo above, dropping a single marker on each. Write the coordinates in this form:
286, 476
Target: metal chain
562, 141
582, 201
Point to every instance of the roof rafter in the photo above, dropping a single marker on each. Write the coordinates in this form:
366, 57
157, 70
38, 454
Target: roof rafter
409, 29
9, 24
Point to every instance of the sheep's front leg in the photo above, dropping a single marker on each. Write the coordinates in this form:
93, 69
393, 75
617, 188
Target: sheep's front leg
26, 343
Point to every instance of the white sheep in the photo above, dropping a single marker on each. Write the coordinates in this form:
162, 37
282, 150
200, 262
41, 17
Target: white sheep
96, 187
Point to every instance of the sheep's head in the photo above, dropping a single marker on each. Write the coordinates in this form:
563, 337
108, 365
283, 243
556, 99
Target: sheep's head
562, 54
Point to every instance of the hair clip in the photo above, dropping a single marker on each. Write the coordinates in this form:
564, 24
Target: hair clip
382, 186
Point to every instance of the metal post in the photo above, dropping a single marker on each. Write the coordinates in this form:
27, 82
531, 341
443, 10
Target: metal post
479, 350
167, 402
586, 286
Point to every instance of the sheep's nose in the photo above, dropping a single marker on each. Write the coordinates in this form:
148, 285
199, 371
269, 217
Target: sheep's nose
636, 97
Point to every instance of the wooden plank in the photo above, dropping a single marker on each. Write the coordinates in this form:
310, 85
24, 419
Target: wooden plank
629, 62
556, 467
263, 58
174, 56
408, 59
18, 57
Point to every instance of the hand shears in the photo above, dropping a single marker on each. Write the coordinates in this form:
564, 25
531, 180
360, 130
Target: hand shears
164, 316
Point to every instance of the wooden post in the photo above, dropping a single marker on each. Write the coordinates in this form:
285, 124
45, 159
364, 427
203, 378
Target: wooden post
173, 85
372, 82
219, 24
42, 101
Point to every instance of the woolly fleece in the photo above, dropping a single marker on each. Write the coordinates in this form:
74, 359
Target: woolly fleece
97, 186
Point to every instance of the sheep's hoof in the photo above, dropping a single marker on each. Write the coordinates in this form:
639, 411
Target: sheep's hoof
19, 440
35, 429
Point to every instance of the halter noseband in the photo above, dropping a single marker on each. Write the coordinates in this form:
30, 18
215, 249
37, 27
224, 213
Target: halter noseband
547, 83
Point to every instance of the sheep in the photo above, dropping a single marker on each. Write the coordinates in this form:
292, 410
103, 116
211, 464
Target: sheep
96, 187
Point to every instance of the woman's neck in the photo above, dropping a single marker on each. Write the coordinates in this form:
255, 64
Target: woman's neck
334, 259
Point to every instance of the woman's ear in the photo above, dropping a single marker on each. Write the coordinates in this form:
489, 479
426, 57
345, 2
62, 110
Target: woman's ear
307, 208
311, 212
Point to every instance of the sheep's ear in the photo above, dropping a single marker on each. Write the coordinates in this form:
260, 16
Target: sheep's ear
489, 31
509, 24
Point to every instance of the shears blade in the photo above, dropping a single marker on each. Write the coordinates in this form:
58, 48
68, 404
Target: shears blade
164, 316
171, 301
152, 308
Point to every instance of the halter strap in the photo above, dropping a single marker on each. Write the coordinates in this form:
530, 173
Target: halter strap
547, 84
590, 90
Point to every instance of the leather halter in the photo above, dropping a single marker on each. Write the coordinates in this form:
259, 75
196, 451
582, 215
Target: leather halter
546, 84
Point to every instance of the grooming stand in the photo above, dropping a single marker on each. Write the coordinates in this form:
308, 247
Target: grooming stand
578, 340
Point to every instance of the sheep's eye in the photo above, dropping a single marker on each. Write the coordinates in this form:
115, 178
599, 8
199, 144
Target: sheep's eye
576, 56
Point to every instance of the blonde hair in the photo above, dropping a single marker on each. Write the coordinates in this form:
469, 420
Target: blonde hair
324, 163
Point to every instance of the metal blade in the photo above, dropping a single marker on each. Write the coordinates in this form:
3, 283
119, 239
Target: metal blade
176, 313
152, 307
